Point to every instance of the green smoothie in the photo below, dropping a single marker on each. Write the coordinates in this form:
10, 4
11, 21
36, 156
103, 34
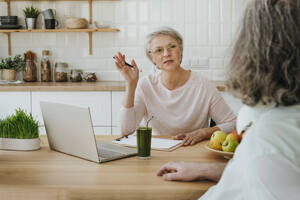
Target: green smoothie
143, 142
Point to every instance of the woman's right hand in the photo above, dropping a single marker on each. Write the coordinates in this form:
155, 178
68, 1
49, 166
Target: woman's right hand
131, 75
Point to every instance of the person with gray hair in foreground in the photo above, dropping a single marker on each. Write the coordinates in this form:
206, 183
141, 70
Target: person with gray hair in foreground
264, 72
181, 101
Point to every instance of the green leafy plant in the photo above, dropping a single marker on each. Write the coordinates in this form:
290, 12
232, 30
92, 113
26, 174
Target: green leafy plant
19, 126
31, 12
17, 63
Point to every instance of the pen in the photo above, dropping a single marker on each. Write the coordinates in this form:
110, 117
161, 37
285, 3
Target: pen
129, 65
118, 139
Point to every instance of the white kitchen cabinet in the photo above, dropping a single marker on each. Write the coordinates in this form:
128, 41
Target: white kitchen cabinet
10, 101
117, 99
99, 103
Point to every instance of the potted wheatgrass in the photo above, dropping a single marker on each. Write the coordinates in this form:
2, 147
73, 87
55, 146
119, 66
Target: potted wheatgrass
19, 132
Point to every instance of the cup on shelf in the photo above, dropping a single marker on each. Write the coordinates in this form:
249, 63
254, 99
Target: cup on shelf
51, 23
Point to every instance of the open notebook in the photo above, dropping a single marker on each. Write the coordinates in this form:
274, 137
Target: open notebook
156, 143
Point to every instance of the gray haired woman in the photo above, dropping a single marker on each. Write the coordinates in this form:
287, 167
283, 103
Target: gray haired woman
264, 73
180, 100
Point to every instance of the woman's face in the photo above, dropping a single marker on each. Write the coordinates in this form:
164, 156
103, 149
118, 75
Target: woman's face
165, 52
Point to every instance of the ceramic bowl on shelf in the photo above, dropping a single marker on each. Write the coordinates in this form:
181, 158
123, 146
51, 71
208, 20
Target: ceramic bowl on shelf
102, 24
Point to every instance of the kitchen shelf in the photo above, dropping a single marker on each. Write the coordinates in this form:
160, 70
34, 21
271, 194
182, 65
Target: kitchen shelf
89, 31
59, 30
58, 0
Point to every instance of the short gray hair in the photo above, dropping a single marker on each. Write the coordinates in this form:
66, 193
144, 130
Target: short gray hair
163, 31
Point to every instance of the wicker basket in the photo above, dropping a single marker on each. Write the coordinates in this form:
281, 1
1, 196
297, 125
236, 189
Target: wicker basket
75, 23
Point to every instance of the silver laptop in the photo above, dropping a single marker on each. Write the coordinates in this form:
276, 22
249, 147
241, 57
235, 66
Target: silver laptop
69, 130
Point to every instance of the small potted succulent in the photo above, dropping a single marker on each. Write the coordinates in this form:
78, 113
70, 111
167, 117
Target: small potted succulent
19, 132
31, 14
10, 66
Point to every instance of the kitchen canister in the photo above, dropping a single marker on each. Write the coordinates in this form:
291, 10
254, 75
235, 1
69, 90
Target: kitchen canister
61, 72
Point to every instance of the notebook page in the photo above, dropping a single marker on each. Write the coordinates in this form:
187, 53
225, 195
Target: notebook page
156, 143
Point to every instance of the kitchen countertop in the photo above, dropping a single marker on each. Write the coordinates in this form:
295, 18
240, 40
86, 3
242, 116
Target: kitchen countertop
71, 86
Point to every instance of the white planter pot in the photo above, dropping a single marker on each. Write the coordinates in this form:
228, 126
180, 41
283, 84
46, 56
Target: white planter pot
30, 23
19, 144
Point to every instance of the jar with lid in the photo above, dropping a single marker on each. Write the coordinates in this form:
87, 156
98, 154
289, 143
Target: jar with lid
61, 72
76, 75
45, 67
29, 73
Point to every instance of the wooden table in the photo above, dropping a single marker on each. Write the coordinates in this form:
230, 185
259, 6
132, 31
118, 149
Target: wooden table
46, 174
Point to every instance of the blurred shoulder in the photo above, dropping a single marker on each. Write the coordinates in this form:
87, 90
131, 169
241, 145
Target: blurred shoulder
282, 113
278, 130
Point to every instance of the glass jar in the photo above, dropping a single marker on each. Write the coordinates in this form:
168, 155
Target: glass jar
61, 72
29, 73
76, 75
45, 67
90, 77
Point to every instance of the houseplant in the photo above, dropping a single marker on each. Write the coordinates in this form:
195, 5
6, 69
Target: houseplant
31, 14
19, 132
9, 66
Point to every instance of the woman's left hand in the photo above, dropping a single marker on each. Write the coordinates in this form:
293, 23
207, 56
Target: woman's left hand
193, 137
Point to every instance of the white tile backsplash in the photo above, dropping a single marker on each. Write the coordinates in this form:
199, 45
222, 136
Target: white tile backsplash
143, 11
214, 10
226, 5
208, 28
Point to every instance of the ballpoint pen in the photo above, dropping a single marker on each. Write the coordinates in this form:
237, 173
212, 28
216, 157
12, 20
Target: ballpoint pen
118, 139
129, 65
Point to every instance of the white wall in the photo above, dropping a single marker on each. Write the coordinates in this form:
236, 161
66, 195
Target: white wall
208, 28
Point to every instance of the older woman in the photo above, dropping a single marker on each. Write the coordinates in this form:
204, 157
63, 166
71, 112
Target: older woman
264, 73
180, 100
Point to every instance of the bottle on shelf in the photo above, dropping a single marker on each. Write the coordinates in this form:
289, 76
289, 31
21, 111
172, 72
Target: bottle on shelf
45, 67
29, 73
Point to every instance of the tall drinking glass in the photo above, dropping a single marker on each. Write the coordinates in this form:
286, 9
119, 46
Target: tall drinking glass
144, 142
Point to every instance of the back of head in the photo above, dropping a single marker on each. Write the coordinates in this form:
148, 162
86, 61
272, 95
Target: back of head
265, 66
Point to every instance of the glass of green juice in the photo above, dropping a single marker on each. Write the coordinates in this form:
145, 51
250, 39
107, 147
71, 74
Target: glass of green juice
143, 135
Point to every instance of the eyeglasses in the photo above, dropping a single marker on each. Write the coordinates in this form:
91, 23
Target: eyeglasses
160, 50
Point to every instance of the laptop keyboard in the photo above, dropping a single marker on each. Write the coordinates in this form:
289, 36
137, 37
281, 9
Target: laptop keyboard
109, 150
105, 153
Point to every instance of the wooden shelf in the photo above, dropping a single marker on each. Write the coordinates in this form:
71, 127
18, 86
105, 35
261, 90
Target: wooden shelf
58, 30
89, 31
57, 0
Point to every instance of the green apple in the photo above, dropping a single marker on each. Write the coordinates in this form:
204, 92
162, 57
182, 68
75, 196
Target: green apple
217, 139
229, 145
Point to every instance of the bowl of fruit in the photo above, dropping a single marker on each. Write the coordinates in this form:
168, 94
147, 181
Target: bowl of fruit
223, 144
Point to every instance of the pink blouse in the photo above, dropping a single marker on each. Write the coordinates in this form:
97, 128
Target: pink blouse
181, 110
